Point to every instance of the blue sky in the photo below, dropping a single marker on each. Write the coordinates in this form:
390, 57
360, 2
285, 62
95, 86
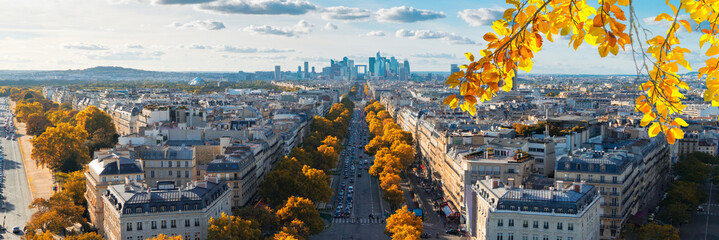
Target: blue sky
251, 35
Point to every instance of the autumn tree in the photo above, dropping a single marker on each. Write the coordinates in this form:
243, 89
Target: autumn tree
389, 179
291, 178
37, 123
326, 159
99, 125
315, 184
654, 231
519, 35
165, 237
296, 229
301, 209
393, 195
73, 185
404, 223
85, 236
54, 215
61, 148
333, 142
232, 228
404, 152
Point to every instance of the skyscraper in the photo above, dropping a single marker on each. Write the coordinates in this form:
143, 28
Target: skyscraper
454, 69
371, 66
313, 69
278, 74
406, 68
307, 74
299, 73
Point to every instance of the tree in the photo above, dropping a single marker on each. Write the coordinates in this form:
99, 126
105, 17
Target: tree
402, 217
316, 184
231, 228
301, 209
294, 230
653, 231
74, 187
406, 232
519, 35
393, 195
85, 236
37, 123
333, 142
264, 216
99, 124
61, 148
62, 116
54, 215
404, 152
389, 179
165, 237
326, 159
321, 125
24, 109
675, 213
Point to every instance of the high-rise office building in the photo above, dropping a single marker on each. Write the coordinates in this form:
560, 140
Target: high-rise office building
307, 66
406, 68
372, 70
313, 70
454, 69
278, 74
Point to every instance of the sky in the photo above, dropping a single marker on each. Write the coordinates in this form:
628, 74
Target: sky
256, 35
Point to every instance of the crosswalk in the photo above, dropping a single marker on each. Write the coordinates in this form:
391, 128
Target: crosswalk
356, 221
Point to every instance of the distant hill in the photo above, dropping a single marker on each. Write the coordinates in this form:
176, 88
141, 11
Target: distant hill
113, 73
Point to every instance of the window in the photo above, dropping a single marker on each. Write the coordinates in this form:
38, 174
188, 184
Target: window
169, 172
187, 164
172, 207
525, 237
187, 174
153, 209
179, 173
169, 163
187, 236
500, 222
197, 236
570, 238
614, 179
138, 210
153, 225
525, 223
559, 238
152, 174
187, 222
545, 237
570, 226
535, 237
197, 222
162, 208
510, 236
129, 226
129, 238
139, 226
601, 179
163, 224
546, 225
162, 164
535, 224
499, 236
173, 223
511, 222
559, 226
198, 173
140, 238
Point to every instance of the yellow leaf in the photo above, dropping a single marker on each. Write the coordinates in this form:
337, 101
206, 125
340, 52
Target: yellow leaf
490, 37
677, 132
714, 50
449, 99
680, 122
508, 13
603, 51
663, 16
624, 2
654, 130
526, 64
683, 85
453, 104
685, 64
686, 25
648, 118
469, 56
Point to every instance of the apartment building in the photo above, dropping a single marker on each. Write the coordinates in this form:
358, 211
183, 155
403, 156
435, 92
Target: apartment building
166, 163
615, 174
135, 212
239, 170
503, 212
111, 166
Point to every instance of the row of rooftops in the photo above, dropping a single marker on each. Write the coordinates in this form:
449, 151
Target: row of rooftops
571, 200
135, 198
583, 160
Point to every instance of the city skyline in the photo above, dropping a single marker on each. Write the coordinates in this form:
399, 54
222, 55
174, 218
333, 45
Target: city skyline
243, 35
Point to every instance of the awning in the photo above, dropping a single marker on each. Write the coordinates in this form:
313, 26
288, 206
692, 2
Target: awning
447, 211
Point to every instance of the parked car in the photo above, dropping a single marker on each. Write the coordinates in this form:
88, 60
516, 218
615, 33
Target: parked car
16, 230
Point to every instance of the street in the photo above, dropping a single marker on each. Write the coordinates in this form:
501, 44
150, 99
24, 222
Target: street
358, 213
16, 187
703, 224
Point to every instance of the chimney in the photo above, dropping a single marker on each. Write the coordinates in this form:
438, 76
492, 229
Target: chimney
128, 187
495, 183
578, 187
560, 184
510, 181
202, 184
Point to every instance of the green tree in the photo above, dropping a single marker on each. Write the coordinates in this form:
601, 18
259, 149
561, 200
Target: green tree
653, 231
264, 216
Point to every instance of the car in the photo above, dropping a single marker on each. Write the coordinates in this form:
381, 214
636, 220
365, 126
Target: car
343, 183
338, 213
452, 231
359, 174
352, 180
345, 177
700, 208
350, 189
16, 230
651, 217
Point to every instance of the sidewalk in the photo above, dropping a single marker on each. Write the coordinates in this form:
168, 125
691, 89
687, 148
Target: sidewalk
39, 177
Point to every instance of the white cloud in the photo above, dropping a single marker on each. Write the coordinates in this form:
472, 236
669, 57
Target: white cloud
259, 7
435, 55
302, 27
234, 49
135, 46
200, 24
480, 16
406, 14
126, 55
179, 2
429, 34
85, 46
330, 26
346, 13
375, 34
